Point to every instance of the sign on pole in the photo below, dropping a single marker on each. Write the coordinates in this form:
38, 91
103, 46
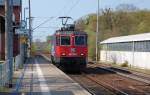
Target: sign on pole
22, 31
23, 39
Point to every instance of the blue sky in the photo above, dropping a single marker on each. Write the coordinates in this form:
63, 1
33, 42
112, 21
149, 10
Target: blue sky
44, 9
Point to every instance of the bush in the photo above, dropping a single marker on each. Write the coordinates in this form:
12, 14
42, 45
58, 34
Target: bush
114, 63
125, 64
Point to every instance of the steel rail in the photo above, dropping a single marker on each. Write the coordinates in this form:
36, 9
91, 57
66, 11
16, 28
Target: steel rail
105, 85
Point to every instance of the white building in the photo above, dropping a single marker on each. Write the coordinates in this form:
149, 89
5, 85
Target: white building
134, 49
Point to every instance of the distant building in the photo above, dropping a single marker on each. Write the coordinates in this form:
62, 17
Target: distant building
132, 49
16, 9
15, 2
16, 22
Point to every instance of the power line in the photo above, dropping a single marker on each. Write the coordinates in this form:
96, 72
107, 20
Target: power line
50, 18
74, 5
50, 27
43, 23
63, 8
43, 17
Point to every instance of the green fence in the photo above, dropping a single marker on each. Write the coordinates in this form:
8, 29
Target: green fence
4, 70
3, 73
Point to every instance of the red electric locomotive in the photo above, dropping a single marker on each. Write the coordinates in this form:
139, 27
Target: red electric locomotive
69, 48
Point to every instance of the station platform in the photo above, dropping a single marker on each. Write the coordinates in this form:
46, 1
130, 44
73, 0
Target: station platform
40, 77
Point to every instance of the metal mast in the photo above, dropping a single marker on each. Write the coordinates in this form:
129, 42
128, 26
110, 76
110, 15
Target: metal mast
9, 39
30, 36
97, 31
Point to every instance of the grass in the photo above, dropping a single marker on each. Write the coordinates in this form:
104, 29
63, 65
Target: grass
137, 69
1, 62
125, 64
146, 71
132, 68
4, 89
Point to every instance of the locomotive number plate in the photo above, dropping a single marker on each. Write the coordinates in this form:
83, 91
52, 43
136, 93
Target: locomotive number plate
73, 54
73, 50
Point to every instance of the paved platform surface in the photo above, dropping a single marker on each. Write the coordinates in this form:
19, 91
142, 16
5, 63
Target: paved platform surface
43, 78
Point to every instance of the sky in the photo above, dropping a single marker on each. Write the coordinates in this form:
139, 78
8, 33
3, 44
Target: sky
50, 10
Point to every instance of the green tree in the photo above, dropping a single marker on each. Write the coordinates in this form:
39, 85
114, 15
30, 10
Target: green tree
125, 20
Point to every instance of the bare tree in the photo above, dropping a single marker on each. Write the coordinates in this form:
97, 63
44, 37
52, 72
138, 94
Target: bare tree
126, 8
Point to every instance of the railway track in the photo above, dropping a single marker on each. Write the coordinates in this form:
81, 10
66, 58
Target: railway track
105, 85
142, 77
106, 82
91, 85
101, 80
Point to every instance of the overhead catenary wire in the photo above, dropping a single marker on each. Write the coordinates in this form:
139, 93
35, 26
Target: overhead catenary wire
62, 9
43, 23
74, 5
37, 17
49, 19
50, 27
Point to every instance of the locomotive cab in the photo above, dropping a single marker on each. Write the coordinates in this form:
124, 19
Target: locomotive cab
70, 49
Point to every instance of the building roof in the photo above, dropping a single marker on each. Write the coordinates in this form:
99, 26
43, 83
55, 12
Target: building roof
15, 2
129, 38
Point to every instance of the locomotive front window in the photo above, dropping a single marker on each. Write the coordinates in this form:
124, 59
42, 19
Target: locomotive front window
57, 40
65, 40
80, 40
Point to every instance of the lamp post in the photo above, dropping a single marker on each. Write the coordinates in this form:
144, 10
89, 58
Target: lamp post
97, 31
22, 44
26, 8
25, 20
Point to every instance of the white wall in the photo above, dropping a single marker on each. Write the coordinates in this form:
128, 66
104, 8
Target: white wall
142, 59
138, 59
18, 62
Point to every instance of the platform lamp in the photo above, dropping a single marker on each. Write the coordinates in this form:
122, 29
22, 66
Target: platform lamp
26, 8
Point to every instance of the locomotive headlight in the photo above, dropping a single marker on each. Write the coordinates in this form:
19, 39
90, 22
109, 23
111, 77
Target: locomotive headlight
63, 54
82, 54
